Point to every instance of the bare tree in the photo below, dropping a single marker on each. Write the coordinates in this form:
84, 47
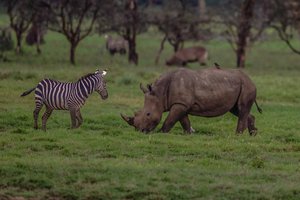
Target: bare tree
6, 42
244, 29
21, 14
131, 15
245, 21
179, 23
38, 26
285, 17
74, 19
202, 8
127, 21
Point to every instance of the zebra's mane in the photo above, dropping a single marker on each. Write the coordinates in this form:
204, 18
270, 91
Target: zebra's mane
85, 76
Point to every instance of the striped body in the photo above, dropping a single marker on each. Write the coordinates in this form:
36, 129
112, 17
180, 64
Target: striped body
61, 96
56, 95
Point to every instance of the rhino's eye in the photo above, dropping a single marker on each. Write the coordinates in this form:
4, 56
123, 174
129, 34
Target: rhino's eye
148, 114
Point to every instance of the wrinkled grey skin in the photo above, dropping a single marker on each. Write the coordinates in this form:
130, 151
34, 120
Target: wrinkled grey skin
186, 55
208, 93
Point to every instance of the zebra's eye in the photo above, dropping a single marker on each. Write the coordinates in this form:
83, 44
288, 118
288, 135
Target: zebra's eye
148, 114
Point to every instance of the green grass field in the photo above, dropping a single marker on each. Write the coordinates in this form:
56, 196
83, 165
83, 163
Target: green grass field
107, 159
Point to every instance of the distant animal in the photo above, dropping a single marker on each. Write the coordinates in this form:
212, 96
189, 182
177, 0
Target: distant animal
207, 92
56, 95
186, 55
116, 45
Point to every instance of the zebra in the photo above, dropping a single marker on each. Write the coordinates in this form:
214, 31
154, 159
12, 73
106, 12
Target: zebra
56, 95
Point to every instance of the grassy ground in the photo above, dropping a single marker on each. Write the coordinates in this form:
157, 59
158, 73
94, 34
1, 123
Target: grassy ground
107, 159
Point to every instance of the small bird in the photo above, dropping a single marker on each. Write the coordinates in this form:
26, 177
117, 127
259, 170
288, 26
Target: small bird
217, 65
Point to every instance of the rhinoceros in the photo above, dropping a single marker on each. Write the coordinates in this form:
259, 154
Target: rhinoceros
190, 54
207, 92
116, 45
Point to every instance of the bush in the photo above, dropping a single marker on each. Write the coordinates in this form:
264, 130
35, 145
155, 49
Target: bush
6, 42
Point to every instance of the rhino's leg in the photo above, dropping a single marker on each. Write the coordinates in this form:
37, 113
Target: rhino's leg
202, 62
242, 115
186, 125
176, 113
242, 123
251, 125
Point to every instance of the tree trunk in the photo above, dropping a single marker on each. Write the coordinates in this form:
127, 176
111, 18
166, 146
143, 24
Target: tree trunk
244, 31
19, 42
202, 8
131, 30
132, 55
38, 39
72, 52
161, 49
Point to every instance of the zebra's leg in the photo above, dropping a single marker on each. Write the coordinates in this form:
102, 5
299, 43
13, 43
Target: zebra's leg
78, 118
73, 118
45, 117
38, 107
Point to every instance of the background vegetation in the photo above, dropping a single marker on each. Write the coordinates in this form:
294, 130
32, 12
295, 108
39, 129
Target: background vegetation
107, 159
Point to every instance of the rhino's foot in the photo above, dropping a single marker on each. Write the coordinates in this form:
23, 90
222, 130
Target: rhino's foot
238, 133
162, 130
253, 132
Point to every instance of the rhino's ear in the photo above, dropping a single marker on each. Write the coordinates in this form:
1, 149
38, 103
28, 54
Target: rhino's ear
149, 87
143, 88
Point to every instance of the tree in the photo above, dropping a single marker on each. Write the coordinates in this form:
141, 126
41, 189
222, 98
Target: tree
245, 21
6, 42
179, 23
21, 14
128, 21
202, 8
285, 18
35, 35
244, 29
74, 19
131, 16
38, 26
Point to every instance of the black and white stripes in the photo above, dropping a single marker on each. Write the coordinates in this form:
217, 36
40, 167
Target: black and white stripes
57, 95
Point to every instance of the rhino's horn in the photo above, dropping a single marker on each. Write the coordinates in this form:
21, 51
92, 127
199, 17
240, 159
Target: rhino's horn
143, 88
129, 120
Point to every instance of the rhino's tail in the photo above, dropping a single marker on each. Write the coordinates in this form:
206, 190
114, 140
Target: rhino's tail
27, 92
258, 108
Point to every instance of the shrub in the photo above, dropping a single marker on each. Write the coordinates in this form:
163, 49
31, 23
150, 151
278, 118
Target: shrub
6, 42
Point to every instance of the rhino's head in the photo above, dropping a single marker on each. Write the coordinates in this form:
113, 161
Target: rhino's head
146, 119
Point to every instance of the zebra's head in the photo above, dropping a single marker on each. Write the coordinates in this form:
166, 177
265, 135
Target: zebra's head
100, 87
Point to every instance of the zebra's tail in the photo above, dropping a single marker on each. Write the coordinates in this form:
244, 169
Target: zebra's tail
258, 108
27, 92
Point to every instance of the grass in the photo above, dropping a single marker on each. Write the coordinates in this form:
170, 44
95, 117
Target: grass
107, 159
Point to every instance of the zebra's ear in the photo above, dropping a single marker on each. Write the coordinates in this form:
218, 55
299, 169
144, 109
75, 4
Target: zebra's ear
104, 72
97, 71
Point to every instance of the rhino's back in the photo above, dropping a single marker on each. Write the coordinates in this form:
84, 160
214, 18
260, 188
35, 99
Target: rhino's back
207, 92
191, 53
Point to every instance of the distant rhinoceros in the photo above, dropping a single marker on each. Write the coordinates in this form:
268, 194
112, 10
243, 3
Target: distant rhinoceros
186, 55
208, 92
116, 45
